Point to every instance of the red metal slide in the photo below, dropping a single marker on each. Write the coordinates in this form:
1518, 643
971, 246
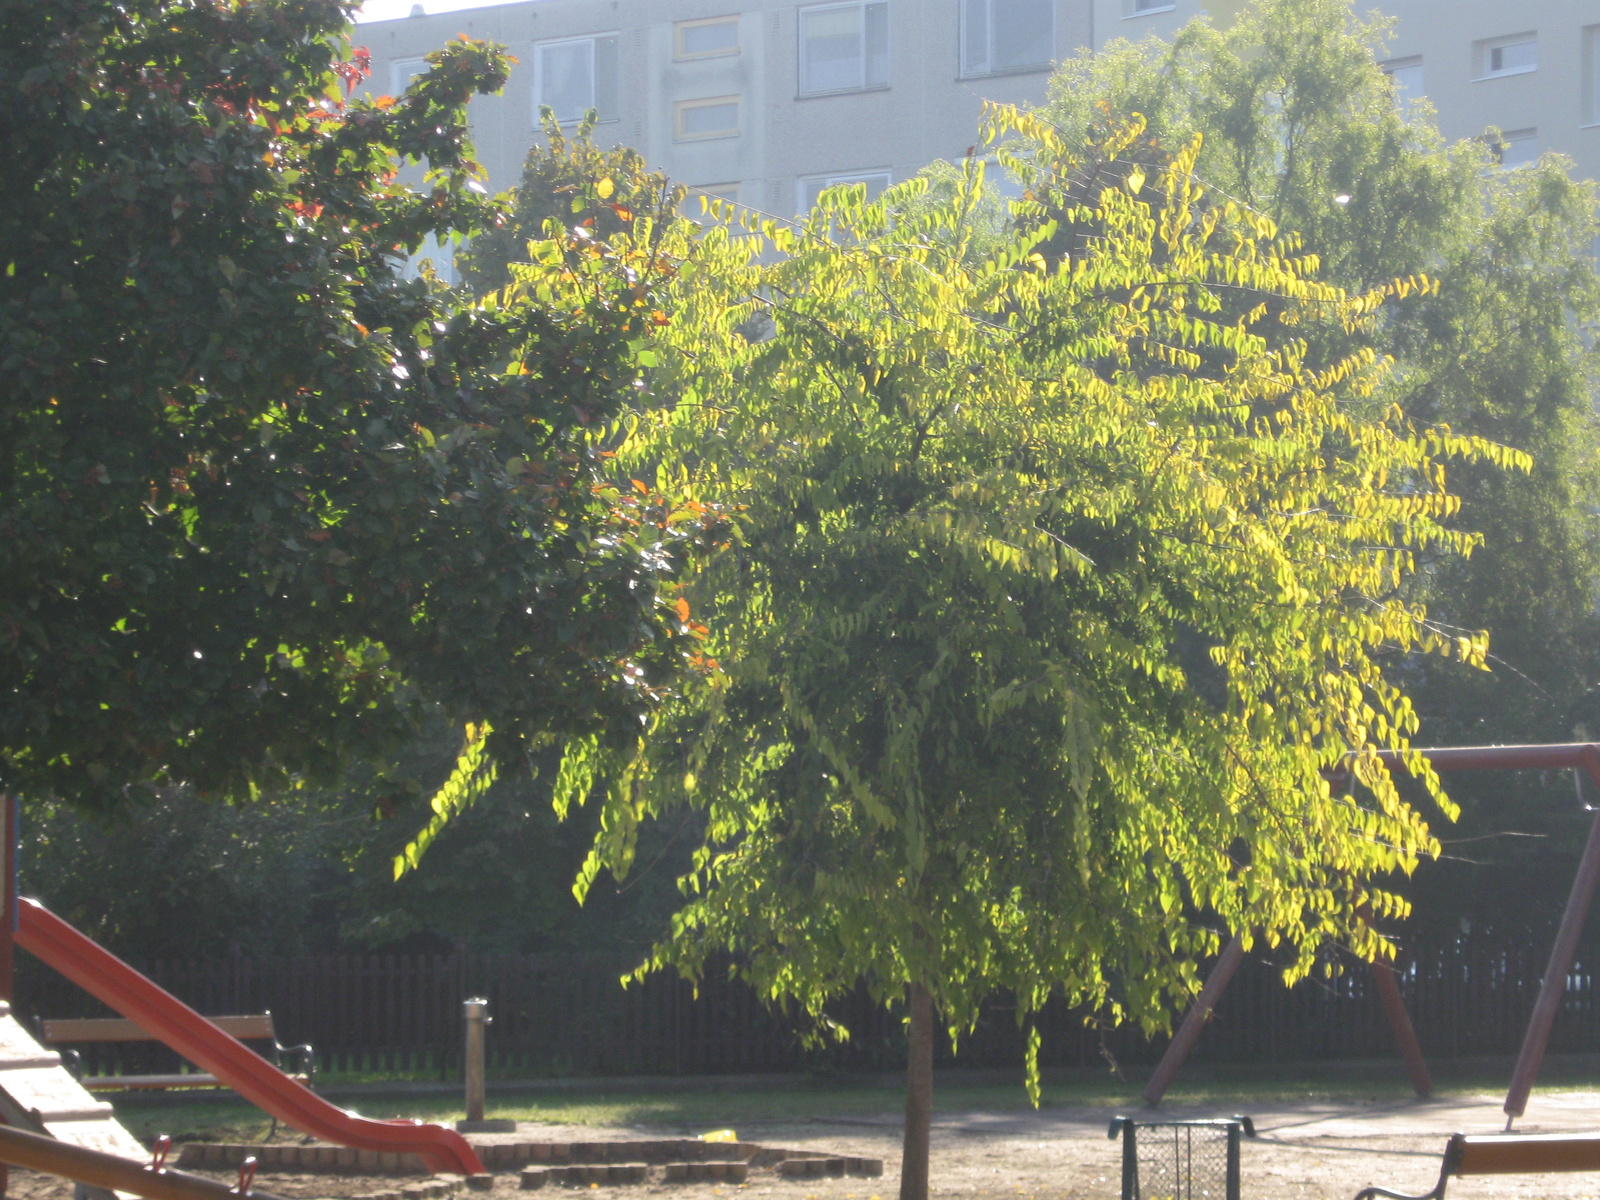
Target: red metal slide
165, 1017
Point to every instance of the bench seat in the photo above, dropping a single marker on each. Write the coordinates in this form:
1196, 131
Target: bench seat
250, 1027
1505, 1154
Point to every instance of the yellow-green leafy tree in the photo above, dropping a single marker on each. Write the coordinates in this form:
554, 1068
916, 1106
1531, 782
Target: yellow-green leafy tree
1061, 573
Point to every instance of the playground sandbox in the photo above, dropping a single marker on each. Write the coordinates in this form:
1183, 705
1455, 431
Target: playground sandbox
1304, 1151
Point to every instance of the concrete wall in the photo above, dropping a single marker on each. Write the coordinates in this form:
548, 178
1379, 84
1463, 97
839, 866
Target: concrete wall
927, 111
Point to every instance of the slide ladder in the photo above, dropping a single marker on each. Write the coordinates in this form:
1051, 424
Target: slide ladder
113, 982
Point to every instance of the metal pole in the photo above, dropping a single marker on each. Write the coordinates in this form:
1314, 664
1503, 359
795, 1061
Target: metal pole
1233, 1161
1189, 1032
1400, 1022
1130, 1161
477, 1016
1555, 976
8, 897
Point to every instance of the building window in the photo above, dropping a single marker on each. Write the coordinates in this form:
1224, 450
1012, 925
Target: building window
575, 75
403, 71
1514, 55
1138, 8
697, 120
811, 189
1406, 76
1006, 35
711, 38
1591, 75
692, 206
1516, 147
844, 47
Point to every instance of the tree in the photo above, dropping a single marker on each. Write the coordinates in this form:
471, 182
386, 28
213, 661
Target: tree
1060, 581
560, 183
1300, 123
266, 505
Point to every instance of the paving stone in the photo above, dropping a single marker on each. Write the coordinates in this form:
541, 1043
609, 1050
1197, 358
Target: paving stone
533, 1178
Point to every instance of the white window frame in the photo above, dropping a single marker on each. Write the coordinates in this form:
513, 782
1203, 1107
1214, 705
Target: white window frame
728, 193
801, 65
679, 54
410, 68
1507, 136
538, 74
1401, 64
805, 183
1589, 94
1483, 52
1147, 8
684, 106
970, 72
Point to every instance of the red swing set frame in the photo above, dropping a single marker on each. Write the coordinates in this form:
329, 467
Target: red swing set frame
1579, 756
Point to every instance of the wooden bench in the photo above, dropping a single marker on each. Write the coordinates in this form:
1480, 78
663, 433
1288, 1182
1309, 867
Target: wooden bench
1505, 1154
255, 1028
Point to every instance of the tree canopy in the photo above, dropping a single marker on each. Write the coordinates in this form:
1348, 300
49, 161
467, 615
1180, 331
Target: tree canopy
265, 502
1301, 124
1066, 567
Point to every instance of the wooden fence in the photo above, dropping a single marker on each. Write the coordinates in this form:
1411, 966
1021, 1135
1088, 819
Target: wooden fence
569, 1015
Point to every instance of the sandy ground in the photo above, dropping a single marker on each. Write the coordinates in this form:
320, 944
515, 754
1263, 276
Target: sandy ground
1313, 1151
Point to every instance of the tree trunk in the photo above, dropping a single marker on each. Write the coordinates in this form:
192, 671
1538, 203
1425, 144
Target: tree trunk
919, 1095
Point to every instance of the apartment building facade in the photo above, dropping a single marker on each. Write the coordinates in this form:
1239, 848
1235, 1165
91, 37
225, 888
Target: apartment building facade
766, 102
763, 102
1529, 68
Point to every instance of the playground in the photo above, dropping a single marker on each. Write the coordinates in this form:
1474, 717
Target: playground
1227, 1143
1319, 1149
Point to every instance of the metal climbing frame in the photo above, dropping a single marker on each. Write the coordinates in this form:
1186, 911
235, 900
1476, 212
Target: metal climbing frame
1577, 756
1180, 1160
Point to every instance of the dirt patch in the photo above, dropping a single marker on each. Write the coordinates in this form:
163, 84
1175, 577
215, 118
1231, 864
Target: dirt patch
1309, 1152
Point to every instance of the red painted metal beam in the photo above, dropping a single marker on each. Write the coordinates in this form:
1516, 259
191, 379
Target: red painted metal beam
166, 1018
1579, 756
1199, 1012
1400, 1022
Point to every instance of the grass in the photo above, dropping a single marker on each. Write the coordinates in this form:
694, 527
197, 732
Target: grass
211, 1117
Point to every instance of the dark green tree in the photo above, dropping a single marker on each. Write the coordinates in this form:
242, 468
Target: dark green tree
571, 181
266, 504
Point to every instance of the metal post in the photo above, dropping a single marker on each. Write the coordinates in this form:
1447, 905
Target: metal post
1400, 1022
477, 1015
1130, 1162
8, 898
1233, 1161
1189, 1032
1555, 976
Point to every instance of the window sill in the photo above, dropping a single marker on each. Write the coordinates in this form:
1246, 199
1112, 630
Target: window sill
1031, 69
881, 87
576, 121
1149, 12
706, 137
1504, 74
